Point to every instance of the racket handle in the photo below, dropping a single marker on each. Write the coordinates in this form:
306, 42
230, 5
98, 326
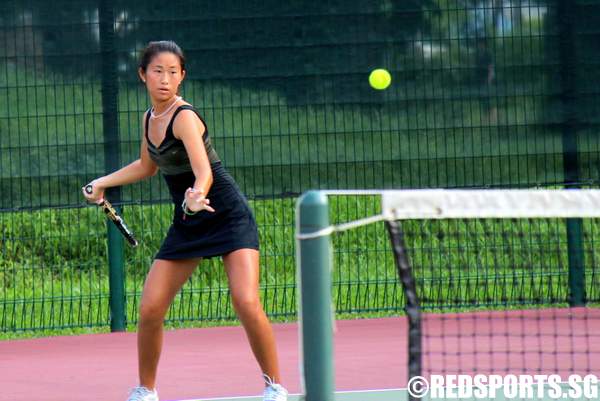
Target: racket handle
112, 215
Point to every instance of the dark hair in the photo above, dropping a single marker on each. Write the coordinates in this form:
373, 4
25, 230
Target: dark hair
154, 48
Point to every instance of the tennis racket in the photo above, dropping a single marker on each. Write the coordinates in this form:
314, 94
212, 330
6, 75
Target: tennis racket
113, 216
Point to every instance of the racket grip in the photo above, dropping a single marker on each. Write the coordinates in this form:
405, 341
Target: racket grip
89, 188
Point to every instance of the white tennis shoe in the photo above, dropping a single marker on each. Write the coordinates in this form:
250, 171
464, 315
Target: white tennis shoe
140, 393
274, 391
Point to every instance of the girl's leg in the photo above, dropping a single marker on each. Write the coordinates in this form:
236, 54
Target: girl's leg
165, 279
242, 271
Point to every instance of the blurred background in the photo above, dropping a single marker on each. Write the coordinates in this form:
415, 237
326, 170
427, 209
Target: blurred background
484, 94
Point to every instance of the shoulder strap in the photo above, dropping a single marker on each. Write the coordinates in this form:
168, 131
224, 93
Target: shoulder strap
180, 108
146, 125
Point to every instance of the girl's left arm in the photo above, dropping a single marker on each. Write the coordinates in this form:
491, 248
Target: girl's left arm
190, 130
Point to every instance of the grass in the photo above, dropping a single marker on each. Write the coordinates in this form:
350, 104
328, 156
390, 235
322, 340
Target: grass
426, 131
419, 133
55, 277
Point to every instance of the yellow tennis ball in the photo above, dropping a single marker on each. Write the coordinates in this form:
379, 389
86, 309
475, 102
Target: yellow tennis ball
380, 79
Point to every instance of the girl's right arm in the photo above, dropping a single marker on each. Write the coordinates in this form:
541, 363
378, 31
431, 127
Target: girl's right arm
142, 168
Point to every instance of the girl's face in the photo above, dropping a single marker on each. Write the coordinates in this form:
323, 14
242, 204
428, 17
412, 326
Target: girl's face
163, 76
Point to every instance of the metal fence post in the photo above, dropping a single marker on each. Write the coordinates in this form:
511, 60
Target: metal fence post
570, 126
112, 161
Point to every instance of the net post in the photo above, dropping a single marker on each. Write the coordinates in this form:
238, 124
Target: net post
314, 289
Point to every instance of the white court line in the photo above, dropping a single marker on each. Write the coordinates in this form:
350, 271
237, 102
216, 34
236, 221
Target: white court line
251, 397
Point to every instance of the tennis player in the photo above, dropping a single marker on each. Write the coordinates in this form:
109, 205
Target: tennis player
211, 218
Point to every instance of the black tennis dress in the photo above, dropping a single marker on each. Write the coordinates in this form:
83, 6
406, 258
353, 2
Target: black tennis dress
205, 234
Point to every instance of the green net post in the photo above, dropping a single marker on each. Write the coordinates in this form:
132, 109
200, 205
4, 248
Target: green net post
112, 161
314, 281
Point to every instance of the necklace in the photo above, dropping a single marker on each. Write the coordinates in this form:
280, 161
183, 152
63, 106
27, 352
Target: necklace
178, 98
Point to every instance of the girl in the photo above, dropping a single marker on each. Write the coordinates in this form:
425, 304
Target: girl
212, 218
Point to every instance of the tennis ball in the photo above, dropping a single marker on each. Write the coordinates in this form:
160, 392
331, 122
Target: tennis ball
380, 79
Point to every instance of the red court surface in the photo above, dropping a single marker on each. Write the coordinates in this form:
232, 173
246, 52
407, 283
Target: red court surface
549, 341
369, 354
211, 362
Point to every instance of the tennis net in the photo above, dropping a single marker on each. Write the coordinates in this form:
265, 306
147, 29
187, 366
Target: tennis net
495, 281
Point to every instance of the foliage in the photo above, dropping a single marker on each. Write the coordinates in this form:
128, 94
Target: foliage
54, 272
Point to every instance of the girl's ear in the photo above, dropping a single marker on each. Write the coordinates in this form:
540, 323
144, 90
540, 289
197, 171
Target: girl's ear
142, 75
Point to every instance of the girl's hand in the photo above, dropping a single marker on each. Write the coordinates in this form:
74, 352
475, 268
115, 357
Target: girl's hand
196, 201
97, 193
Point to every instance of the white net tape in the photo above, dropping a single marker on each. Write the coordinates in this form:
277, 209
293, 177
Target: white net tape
476, 203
